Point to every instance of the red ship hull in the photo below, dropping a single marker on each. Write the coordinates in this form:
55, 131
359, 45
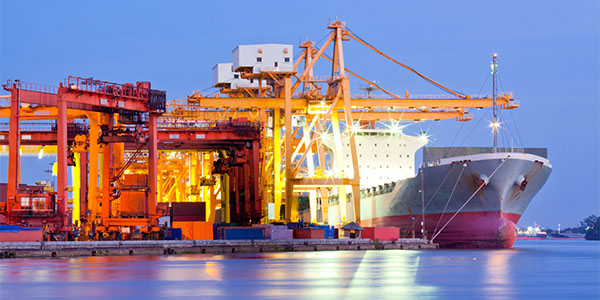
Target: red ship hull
488, 229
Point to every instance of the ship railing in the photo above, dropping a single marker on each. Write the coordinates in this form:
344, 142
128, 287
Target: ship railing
386, 188
430, 164
511, 149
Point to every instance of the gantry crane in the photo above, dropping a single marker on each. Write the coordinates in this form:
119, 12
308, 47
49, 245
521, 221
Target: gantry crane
137, 105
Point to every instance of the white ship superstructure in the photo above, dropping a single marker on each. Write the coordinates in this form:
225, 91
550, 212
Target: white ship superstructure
384, 155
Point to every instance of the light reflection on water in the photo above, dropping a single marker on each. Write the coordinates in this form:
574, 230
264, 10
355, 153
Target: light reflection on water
563, 269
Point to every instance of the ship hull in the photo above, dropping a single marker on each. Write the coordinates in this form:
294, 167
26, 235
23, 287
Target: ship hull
487, 229
472, 201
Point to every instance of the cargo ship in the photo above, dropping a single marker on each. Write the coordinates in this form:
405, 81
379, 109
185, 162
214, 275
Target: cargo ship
460, 197
472, 197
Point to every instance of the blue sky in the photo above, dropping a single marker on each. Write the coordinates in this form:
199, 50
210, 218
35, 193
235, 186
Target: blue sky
548, 56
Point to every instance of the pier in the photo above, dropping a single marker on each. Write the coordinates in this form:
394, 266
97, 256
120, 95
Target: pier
120, 248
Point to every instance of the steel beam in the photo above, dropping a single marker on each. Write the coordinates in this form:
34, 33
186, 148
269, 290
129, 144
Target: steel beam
14, 157
356, 103
151, 199
62, 152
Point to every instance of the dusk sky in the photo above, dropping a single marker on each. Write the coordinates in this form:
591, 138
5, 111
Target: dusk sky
548, 56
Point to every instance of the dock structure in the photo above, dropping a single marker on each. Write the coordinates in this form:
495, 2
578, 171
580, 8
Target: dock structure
120, 248
249, 152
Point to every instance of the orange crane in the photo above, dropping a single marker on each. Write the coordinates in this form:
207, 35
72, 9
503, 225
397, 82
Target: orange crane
133, 103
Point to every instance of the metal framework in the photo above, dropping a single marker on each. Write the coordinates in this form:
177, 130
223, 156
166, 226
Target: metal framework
236, 150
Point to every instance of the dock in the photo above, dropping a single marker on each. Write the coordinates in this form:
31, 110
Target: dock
122, 248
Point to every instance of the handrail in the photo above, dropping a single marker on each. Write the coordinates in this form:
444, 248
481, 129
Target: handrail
128, 90
30, 86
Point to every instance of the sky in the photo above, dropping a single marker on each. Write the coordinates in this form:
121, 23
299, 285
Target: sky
548, 55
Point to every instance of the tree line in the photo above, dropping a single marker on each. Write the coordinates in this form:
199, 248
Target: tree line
589, 226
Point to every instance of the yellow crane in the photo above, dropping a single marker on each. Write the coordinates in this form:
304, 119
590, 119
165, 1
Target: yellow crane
322, 99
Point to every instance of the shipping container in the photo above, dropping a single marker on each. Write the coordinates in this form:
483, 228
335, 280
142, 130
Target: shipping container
132, 200
203, 231
282, 234
309, 233
188, 211
14, 233
381, 233
194, 230
173, 234
270, 228
240, 233
187, 229
132, 203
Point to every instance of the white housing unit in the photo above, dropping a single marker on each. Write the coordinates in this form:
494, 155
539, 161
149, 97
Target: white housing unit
264, 57
223, 73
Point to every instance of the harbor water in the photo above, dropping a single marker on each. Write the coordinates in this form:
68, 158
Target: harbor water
563, 269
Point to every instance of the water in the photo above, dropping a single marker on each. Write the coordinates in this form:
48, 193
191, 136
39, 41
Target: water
533, 269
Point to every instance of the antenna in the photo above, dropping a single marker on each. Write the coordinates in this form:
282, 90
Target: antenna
495, 123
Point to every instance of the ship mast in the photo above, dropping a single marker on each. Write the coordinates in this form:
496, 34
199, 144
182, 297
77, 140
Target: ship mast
495, 124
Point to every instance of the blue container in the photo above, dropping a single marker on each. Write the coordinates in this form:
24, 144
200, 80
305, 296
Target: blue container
173, 234
329, 231
242, 233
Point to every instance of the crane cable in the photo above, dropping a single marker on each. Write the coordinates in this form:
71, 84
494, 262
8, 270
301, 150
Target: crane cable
431, 81
468, 200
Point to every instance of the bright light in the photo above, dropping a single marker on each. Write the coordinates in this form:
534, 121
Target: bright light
395, 128
424, 138
41, 154
495, 125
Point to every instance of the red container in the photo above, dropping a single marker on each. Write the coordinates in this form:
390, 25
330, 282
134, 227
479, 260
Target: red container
21, 235
381, 233
309, 233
